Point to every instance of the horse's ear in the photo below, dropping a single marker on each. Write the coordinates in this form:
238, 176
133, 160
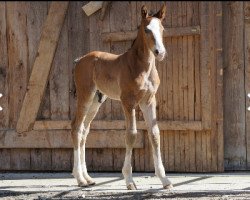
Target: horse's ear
161, 13
144, 12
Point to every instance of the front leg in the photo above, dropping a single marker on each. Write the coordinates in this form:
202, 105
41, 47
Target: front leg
130, 138
148, 107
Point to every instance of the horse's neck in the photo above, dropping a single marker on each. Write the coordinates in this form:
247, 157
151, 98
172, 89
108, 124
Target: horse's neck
144, 56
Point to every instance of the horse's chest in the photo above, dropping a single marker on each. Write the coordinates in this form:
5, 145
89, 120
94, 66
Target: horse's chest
149, 84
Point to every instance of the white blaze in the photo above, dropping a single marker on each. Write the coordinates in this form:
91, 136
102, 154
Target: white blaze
154, 26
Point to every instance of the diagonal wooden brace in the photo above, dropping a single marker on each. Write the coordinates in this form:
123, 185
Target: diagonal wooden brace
41, 68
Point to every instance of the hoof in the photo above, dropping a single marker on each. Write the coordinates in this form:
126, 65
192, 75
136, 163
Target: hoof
83, 184
91, 182
168, 187
131, 186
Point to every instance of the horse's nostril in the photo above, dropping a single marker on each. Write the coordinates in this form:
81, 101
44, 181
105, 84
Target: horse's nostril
156, 52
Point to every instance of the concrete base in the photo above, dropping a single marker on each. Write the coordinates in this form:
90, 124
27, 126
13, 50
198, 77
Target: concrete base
111, 185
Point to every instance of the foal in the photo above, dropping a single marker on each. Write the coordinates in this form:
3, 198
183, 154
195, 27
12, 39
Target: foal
131, 78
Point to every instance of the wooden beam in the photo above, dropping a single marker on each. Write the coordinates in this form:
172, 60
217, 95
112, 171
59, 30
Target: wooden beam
119, 125
41, 68
91, 7
105, 7
168, 32
62, 139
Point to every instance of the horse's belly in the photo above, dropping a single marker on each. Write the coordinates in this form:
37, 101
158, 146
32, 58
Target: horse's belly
111, 89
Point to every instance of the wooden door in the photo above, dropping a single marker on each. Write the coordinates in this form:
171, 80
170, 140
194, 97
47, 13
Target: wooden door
189, 107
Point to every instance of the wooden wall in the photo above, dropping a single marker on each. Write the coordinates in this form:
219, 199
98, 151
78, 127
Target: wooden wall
236, 45
190, 90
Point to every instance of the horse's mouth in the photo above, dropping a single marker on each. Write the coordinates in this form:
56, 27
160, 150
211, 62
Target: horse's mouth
160, 57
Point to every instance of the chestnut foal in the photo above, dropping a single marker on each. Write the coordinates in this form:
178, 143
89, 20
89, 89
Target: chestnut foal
131, 78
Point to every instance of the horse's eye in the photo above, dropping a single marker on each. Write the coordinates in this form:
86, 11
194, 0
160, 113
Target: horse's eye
147, 30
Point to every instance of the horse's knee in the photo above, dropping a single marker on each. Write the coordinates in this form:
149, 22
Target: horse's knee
131, 137
154, 135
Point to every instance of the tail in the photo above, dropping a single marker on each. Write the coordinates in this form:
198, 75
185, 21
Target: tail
77, 59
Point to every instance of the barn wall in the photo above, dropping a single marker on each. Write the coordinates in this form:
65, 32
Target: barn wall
236, 84
180, 95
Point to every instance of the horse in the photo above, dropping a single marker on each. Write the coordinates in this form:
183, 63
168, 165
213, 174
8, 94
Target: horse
131, 78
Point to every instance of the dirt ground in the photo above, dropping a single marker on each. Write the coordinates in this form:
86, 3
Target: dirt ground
41, 186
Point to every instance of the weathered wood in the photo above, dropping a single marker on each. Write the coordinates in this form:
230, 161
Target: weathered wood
35, 19
247, 77
59, 78
49, 139
119, 125
91, 7
105, 7
5, 159
20, 159
206, 61
168, 32
40, 159
61, 159
219, 85
196, 113
16, 16
78, 26
234, 95
42, 64
4, 113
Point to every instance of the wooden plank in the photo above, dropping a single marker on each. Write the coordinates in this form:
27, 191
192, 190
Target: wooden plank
247, 77
186, 144
219, 85
61, 159
191, 17
78, 25
20, 159
42, 64
16, 16
49, 139
197, 86
176, 95
40, 159
119, 125
169, 135
168, 32
5, 159
35, 18
206, 61
59, 78
234, 94
92, 7
4, 113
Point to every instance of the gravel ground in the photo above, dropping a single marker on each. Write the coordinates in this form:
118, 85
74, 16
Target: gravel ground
41, 186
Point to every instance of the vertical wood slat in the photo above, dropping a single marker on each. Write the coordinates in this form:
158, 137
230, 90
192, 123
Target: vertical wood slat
42, 64
96, 26
219, 85
59, 77
206, 62
247, 75
4, 113
213, 77
5, 159
234, 95
78, 44
20, 159
40, 158
170, 102
16, 13
186, 144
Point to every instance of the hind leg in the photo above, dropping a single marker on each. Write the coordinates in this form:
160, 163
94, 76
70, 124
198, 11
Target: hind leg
90, 116
78, 132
